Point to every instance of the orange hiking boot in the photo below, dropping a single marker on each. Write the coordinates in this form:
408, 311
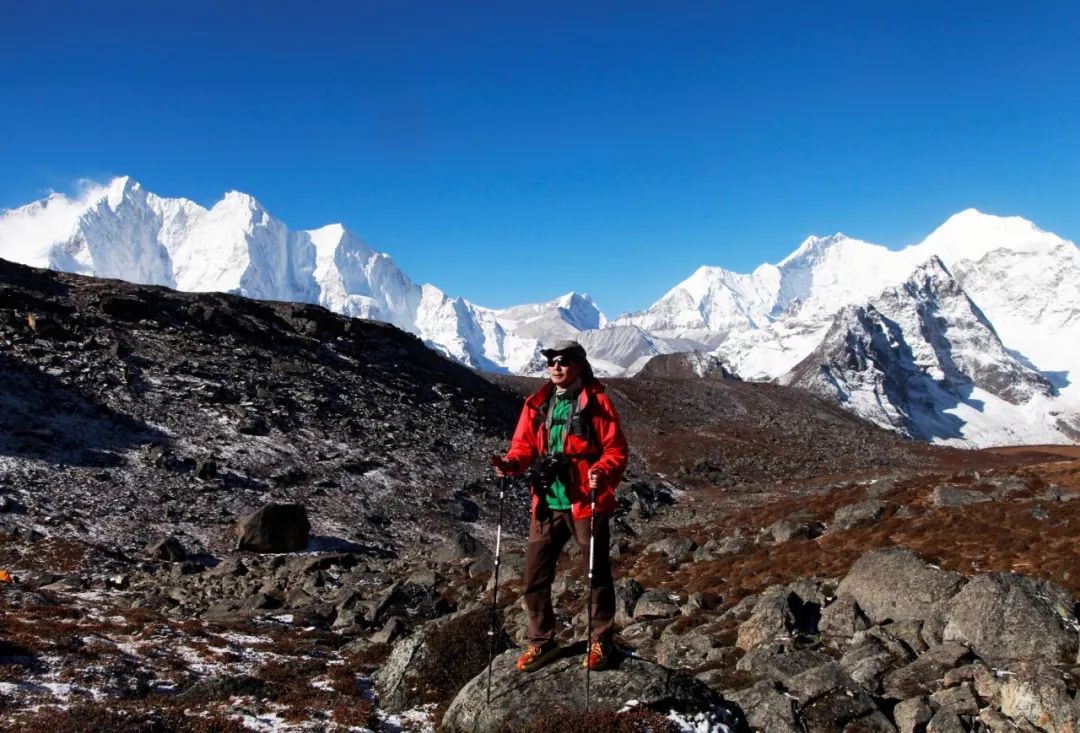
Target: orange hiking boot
537, 655
598, 657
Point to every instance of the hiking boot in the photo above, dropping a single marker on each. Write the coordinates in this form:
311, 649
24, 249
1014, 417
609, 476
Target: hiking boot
537, 655
598, 656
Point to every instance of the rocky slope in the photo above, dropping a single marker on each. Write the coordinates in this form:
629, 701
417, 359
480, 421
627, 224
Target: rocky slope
131, 413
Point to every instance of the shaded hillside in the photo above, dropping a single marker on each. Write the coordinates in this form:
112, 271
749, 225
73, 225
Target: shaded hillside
129, 412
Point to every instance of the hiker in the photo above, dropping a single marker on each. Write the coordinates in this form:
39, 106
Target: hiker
569, 434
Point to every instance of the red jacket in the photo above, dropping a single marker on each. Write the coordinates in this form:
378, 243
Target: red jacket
531, 439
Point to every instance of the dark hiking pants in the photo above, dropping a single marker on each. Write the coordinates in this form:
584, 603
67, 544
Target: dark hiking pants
547, 537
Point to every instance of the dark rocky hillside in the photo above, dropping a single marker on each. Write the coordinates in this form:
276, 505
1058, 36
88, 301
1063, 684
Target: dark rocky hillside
128, 413
758, 544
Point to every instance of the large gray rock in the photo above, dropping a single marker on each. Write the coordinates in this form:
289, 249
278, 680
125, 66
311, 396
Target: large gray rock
1038, 695
767, 707
460, 640
924, 675
274, 528
853, 515
894, 584
517, 697
951, 496
1004, 616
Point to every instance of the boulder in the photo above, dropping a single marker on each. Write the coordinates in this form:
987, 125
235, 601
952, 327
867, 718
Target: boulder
168, 549
768, 708
440, 654
461, 546
912, 715
853, 515
1038, 695
1004, 616
894, 584
517, 698
950, 496
654, 604
274, 528
676, 549
842, 619
924, 675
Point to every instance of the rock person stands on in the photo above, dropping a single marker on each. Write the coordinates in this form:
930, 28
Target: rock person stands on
569, 433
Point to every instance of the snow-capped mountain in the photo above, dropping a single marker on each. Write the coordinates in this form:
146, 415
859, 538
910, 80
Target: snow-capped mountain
1020, 282
923, 359
124, 231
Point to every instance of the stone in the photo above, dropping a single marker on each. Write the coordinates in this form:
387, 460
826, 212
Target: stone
393, 628
842, 618
867, 661
1038, 695
399, 681
923, 676
912, 715
894, 584
168, 549
462, 546
844, 710
853, 515
687, 651
655, 604
676, 549
785, 530
945, 721
627, 592
517, 698
960, 699
767, 708
274, 528
770, 620
951, 496
1004, 616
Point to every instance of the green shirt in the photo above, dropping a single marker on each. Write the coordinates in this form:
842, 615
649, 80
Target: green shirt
556, 496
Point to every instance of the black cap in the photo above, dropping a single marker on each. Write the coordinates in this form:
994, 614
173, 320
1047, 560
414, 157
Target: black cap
569, 348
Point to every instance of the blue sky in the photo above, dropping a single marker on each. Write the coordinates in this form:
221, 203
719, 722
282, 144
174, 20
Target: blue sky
511, 151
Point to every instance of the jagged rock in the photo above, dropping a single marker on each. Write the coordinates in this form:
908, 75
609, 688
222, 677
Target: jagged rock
853, 515
768, 708
274, 528
882, 488
460, 639
224, 687
687, 651
676, 549
844, 709
1004, 616
909, 631
168, 549
733, 544
782, 612
960, 700
922, 677
945, 721
1037, 694
781, 665
517, 698
842, 619
869, 658
912, 715
895, 584
951, 496
627, 593
655, 604
393, 628
785, 530
463, 546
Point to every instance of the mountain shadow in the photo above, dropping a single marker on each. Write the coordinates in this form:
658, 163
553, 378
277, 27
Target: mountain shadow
44, 419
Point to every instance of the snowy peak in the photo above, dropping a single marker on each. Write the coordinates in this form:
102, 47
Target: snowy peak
920, 354
971, 235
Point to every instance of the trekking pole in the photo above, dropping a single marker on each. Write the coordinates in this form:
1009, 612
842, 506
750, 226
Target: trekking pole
495, 588
588, 625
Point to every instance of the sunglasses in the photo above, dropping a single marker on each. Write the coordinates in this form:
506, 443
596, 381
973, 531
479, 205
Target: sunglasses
561, 361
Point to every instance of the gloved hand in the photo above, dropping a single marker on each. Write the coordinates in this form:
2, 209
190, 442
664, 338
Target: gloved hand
503, 468
596, 478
